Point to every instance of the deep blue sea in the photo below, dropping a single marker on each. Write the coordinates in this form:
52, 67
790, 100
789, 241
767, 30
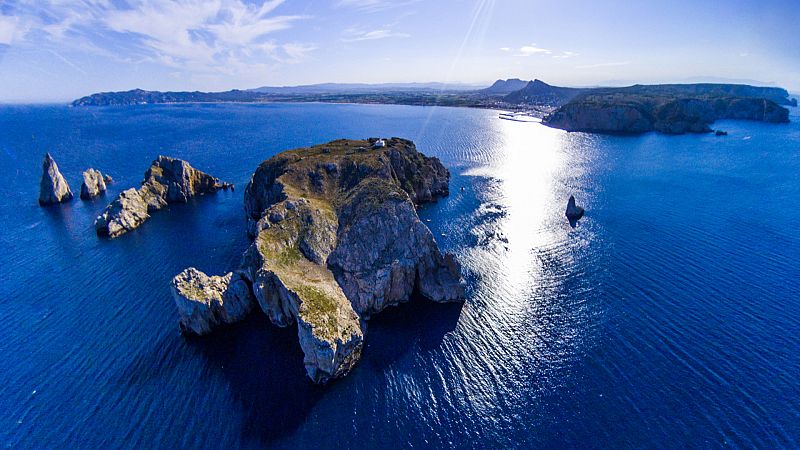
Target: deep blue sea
669, 318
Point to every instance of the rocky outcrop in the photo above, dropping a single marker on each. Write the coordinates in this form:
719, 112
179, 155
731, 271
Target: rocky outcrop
640, 109
53, 188
124, 214
168, 180
93, 185
336, 238
574, 212
206, 302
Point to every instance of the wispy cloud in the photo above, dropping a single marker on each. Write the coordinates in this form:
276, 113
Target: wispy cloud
605, 64
565, 55
216, 36
375, 5
354, 35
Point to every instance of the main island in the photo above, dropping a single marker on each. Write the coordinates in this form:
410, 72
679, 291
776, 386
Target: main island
335, 239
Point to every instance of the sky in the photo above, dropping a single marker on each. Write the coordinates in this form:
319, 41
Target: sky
58, 50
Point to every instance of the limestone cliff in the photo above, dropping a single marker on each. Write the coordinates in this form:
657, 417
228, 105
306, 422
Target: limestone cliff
53, 188
168, 180
336, 238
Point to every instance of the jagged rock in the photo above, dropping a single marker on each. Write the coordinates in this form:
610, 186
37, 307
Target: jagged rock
206, 302
124, 214
337, 239
573, 212
53, 188
93, 184
168, 180
107, 178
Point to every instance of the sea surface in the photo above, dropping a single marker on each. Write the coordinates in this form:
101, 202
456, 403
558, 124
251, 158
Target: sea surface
668, 318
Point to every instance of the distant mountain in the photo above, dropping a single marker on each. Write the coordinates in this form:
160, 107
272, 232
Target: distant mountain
361, 88
503, 87
540, 93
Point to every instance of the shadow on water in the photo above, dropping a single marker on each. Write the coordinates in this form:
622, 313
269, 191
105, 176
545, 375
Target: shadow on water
396, 331
263, 365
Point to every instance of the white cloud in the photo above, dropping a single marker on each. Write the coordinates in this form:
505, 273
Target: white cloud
505, 49
8, 29
211, 36
533, 49
353, 35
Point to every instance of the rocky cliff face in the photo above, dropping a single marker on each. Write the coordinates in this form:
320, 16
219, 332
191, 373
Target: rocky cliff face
168, 180
639, 111
205, 302
53, 188
336, 238
93, 185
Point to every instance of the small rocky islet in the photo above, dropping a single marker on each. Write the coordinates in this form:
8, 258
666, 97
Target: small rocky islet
53, 188
94, 184
335, 239
168, 180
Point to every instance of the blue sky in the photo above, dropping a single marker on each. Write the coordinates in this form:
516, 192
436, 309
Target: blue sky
54, 50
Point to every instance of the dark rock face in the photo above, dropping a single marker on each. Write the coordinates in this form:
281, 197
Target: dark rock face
634, 111
337, 238
574, 212
93, 185
168, 180
53, 188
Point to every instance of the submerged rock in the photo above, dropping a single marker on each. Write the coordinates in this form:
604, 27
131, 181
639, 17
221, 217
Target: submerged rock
573, 212
336, 238
107, 178
53, 188
168, 180
94, 184
720, 133
206, 302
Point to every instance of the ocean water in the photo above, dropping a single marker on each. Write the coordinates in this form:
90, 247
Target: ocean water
669, 317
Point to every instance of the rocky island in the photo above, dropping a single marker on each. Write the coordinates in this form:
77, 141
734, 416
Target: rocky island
94, 184
335, 239
671, 109
168, 180
53, 188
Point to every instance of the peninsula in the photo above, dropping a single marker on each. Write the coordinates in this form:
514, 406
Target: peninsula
671, 109
335, 239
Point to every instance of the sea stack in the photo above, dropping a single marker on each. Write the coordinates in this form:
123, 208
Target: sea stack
168, 180
336, 239
93, 186
574, 212
53, 188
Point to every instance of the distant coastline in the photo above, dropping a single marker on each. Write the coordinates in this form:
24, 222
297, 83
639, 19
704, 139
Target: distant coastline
667, 108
